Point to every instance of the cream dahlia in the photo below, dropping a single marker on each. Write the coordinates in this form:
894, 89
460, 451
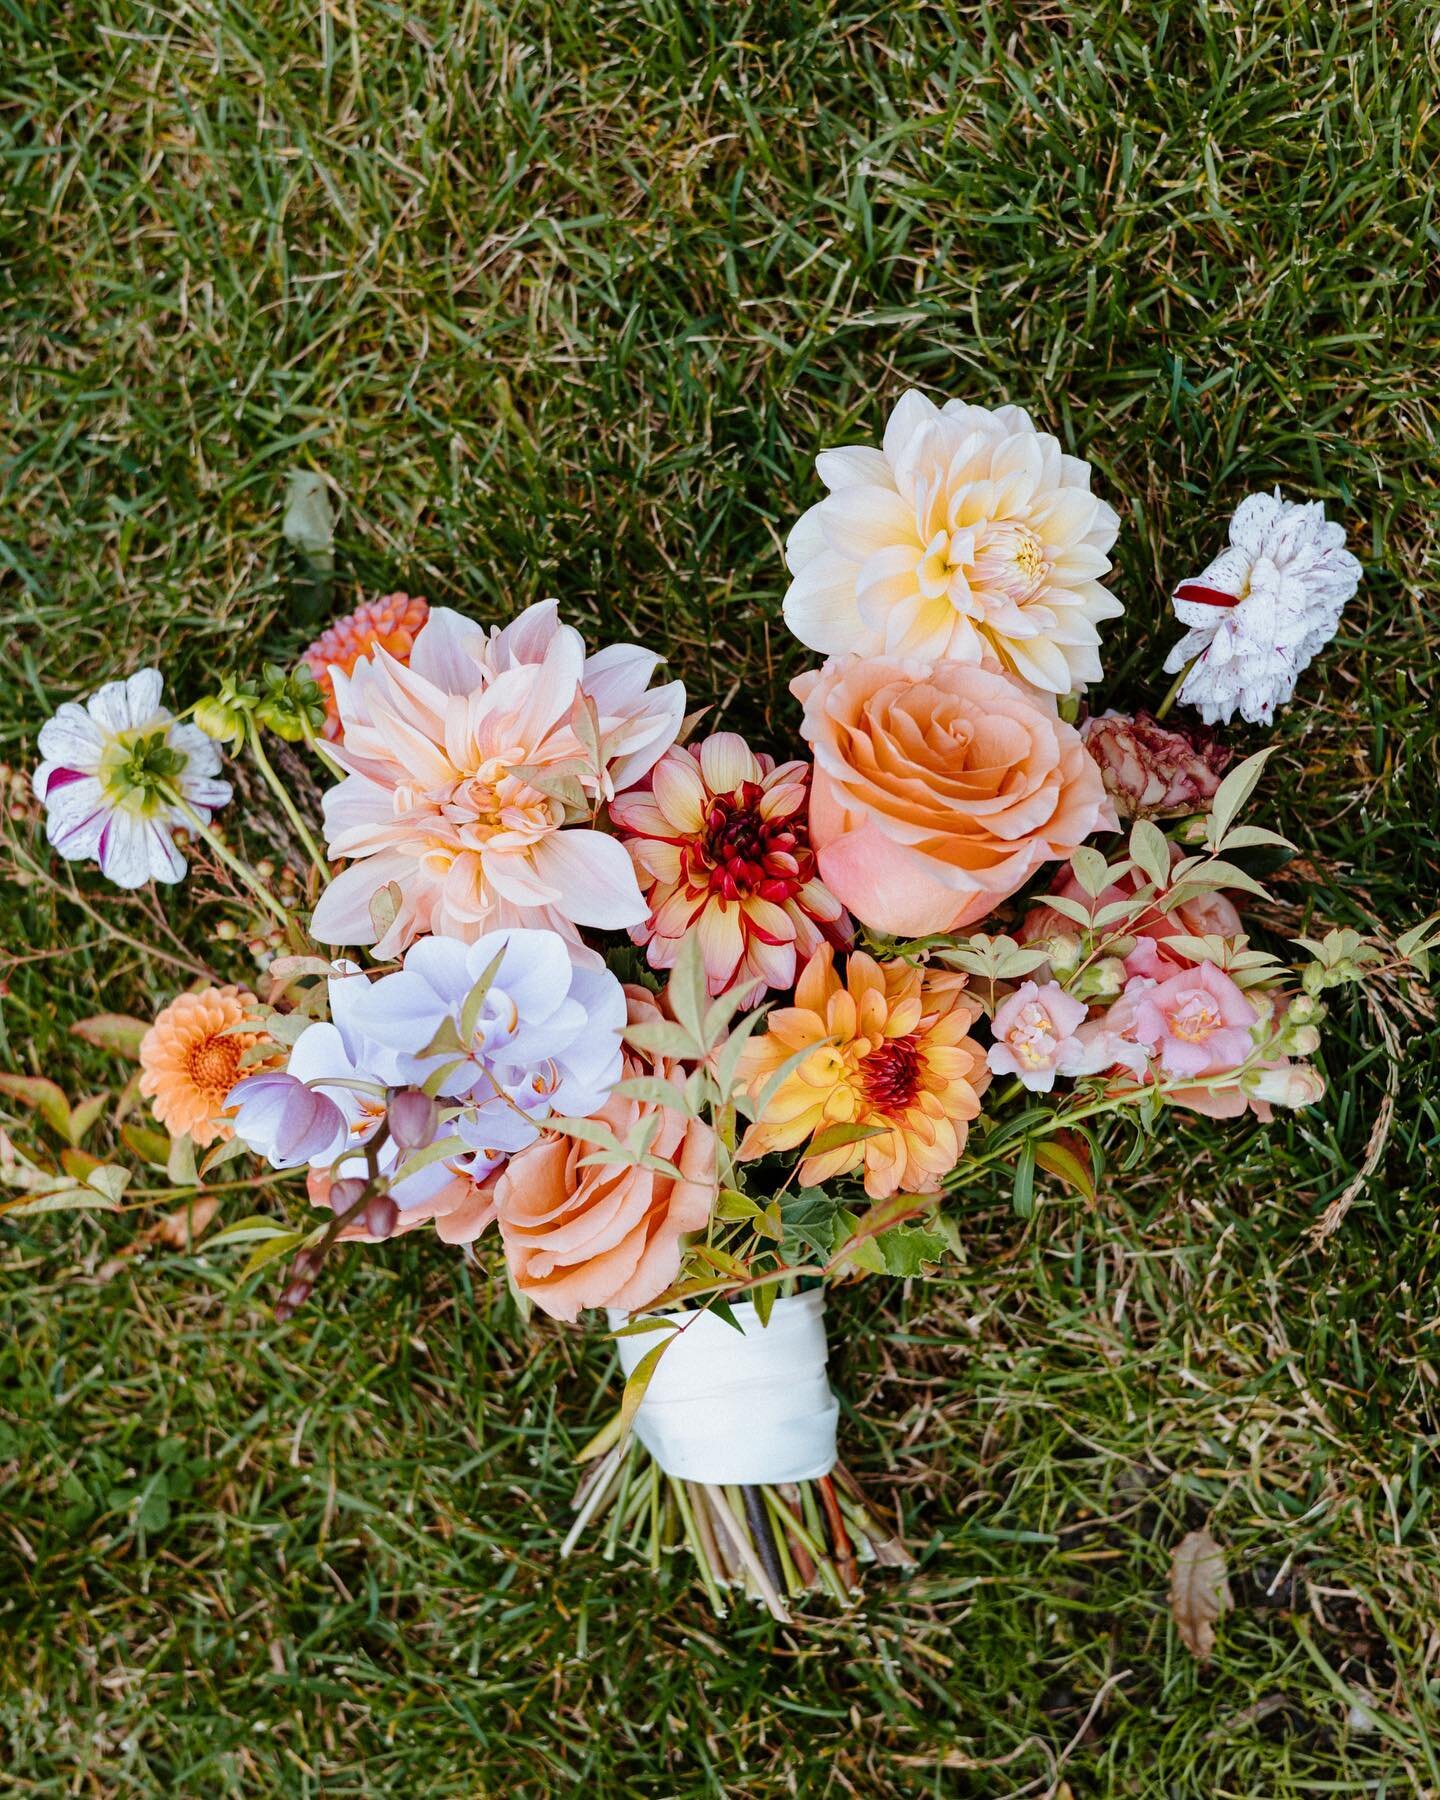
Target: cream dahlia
721, 845
969, 536
474, 777
1258, 614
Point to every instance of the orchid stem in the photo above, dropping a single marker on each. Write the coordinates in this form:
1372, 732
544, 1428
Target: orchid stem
232, 862
1175, 686
292, 812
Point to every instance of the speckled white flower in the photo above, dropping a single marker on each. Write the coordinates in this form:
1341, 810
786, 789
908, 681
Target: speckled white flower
1267, 604
968, 537
118, 777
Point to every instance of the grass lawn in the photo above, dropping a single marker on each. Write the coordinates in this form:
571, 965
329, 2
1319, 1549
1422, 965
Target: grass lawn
563, 300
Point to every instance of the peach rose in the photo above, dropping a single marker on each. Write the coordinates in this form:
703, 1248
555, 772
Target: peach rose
608, 1235
939, 791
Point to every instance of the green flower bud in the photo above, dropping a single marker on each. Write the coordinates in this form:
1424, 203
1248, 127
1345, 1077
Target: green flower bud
219, 719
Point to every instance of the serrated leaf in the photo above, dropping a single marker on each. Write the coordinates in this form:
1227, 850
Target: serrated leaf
910, 1249
112, 1031
1199, 1591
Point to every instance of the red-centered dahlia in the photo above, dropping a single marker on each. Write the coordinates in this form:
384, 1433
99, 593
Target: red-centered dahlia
392, 623
721, 847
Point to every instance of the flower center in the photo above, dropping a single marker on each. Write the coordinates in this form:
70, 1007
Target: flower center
1195, 1020
742, 853
139, 767
890, 1075
214, 1066
1010, 562
1032, 1037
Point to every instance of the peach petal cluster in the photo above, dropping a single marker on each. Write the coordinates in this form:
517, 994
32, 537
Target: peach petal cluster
190, 1058
459, 1211
610, 1234
887, 1049
390, 623
940, 791
474, 776
968, 536
720, 843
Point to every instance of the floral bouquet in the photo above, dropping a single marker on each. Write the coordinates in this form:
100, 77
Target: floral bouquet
657, 1027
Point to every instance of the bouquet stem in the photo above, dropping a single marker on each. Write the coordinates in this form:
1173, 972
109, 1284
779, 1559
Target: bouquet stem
775, 1544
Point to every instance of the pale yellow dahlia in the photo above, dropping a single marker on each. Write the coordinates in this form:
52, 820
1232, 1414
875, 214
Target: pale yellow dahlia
888, 1049
968, 537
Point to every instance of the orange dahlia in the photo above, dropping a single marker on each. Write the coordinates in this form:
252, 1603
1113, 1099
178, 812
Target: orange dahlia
721, 847
390, 622
890, 1050
190, 1060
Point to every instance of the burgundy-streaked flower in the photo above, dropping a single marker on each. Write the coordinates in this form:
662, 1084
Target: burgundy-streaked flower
721, 847
1152, 772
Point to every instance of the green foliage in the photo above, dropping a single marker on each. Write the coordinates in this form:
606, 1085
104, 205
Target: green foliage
554, 299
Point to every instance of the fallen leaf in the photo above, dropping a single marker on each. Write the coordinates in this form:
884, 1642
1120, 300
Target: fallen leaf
112, 1031
1199, 1591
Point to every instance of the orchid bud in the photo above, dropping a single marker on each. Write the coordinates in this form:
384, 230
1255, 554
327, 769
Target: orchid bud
381, 1216
346, 1194
1292, 1084
414, 1118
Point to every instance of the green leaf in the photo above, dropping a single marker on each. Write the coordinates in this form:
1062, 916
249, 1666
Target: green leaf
910, 1249
84, 1116
151, 1147
687, 991
112, 1031
1091, 871
836, 1137
1150, 849
44, 1096
1232, 794
640, 1378
309, 521
475, 999
180, 1164
272, 1250
1058, 1160
1023, 1197
248, 1230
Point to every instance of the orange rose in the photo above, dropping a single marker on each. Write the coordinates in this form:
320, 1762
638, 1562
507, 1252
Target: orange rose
608, 1235
939, 791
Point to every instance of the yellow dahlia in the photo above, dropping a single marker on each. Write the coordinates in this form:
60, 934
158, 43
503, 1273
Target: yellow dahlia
389, 623
190, 1060
889, 1048
967, 537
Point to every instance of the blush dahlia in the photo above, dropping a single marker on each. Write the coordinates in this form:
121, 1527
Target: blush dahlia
721, 847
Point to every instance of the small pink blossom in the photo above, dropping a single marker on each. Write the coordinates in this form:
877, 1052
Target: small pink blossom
1035, 1034
1196, 1023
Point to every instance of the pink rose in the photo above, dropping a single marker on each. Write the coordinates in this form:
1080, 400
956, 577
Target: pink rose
939, 792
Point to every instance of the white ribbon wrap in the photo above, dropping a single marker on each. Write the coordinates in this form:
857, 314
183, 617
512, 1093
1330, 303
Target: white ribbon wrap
722, 1407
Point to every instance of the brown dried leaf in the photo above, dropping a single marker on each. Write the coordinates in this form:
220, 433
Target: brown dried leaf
1199, 1591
